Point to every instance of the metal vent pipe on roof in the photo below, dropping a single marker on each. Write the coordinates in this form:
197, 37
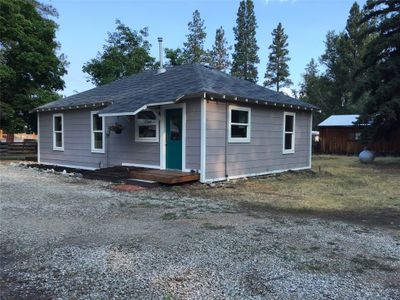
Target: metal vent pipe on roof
161, 69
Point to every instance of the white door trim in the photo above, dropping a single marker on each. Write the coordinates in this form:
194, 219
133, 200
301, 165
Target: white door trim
163, 150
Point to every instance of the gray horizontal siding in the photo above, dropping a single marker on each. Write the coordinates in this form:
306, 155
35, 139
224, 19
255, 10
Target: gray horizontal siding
193, 134
264, 152
120, 148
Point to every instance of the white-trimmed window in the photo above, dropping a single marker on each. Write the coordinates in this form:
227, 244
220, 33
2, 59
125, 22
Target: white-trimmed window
146, 126
239, 124
58, 132
97, 132
289, 133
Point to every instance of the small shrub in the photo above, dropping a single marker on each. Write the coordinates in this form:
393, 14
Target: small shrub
169, 216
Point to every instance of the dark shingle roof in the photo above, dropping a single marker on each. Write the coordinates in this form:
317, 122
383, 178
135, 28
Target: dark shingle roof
131, 93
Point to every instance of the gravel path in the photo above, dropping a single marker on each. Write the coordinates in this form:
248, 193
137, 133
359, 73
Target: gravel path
72, 238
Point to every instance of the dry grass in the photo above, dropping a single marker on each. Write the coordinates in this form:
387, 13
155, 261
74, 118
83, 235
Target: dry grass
338, 184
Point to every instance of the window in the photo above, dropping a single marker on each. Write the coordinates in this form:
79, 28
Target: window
97, 126
239, 124
288, 132
58, 132
146, 126
354, 136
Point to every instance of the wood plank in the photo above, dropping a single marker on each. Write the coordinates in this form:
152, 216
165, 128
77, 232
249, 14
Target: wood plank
164, 176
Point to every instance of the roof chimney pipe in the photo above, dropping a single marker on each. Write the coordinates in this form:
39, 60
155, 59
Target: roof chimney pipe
160, 45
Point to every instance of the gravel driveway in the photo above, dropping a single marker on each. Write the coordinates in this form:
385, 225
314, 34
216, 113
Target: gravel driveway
70, 238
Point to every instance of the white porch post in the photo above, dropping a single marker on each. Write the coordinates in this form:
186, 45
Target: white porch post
203, 129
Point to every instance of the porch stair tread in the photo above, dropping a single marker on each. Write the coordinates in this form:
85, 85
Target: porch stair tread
163, 176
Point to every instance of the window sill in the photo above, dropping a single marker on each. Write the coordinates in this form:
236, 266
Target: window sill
288, 152
97, 151
147, 140
58, 149
238, 141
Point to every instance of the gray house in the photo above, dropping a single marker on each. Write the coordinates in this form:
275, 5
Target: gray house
189, 118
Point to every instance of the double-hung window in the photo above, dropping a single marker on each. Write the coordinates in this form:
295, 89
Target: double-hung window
97, 132
239, 124
58, 132
289, 120
146, 126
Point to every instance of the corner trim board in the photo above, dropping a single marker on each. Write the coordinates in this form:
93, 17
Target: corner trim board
203, 128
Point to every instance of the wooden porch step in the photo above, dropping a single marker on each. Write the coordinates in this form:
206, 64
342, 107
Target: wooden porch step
163, 176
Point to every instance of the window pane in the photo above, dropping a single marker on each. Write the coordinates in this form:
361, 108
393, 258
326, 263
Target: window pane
175, 128
289, 123
57, 123
58, 139
239, 116
148, 131
97, 122
238, 131
98, 140
288, 141
147, 115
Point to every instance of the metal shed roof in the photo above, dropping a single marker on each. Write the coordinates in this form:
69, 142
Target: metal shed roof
339, 120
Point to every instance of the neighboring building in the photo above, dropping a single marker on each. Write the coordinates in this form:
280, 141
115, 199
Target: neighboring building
339, 134
189, 118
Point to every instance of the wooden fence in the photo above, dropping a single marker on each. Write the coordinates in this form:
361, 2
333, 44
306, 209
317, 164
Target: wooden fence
18, 136
19, 150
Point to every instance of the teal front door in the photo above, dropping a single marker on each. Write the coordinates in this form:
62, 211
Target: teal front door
173, 118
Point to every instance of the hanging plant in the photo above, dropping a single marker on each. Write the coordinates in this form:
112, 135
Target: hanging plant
117, 128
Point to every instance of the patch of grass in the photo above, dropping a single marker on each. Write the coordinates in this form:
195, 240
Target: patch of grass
363, 263
169, 216
337, 185
215, 226
144, 204
168, 296
314, 266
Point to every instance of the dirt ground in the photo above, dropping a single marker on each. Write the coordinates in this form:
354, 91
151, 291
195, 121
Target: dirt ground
72, 238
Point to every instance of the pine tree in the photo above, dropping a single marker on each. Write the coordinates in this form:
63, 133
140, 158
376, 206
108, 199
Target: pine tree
312, 91
309, 78
219, 56
277, 73
194, 46
245, 55
381, 69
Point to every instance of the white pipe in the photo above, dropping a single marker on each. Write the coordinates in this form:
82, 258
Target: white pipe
160, 46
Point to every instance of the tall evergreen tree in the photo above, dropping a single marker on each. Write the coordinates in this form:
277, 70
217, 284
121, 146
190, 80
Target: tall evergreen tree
245, 58
310, 78
30, 69
127, 52
194, 46
219, 56
381, 69
277, 73
312, 90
